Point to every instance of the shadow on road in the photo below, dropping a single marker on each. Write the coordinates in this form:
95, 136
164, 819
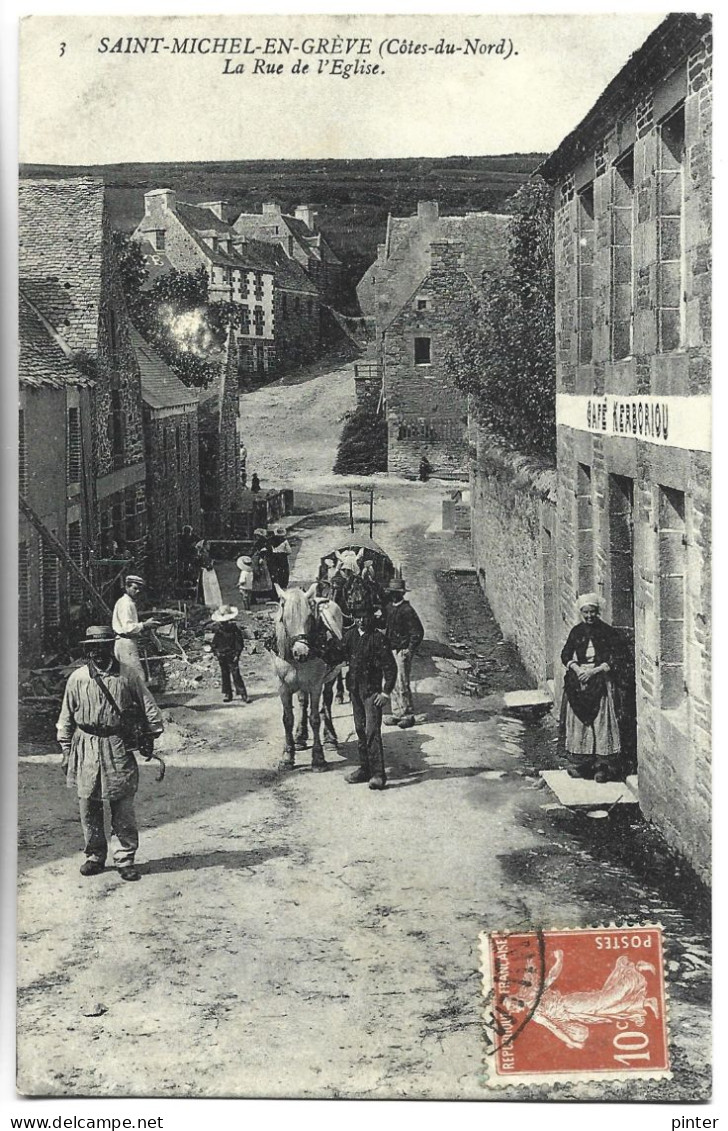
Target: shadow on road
235, 861
186, 791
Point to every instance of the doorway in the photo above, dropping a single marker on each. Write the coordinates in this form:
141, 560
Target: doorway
621, 576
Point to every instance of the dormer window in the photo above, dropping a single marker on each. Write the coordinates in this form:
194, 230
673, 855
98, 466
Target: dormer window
159, 239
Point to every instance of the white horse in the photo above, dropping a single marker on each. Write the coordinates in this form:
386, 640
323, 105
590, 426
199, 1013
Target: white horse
300, 670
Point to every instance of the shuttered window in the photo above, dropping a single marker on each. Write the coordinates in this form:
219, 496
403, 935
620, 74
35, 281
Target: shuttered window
50, 592
22, 456
670, 236
23, 592
74, 447
75, 552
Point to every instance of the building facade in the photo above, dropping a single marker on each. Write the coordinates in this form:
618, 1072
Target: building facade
184, 237
171, 442
300, 240
425, 278
68, 275
55, 436
633, 283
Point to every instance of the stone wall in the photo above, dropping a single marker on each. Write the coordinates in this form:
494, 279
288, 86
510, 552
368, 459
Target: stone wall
513, 518
297, 328
173, 487
426, 414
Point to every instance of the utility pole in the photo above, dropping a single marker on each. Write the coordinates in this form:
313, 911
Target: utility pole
371, 512
351, 511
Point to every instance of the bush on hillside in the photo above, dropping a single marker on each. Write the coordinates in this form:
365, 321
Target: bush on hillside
363, 444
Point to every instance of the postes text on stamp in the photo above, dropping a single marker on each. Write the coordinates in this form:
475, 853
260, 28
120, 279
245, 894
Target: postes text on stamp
585, 1004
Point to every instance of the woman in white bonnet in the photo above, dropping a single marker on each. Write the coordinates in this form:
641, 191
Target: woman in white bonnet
589, 724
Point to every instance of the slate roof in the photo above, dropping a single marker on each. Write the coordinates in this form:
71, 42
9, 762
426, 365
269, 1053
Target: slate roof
484, 236
42, 362
161, 388
289, 275
61, 248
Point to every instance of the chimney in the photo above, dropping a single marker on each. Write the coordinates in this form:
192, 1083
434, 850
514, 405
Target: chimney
428, 211
306, 213
220, 208
271, 208
447, 255
160, 200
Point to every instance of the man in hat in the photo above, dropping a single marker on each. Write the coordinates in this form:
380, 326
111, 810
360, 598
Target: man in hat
127, 626
278, 550
405, 633
227, 645
371, 679
96, 760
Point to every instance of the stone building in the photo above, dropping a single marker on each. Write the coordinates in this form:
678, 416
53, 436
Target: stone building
172, 457
300, 240
55, 440
632, 188
67, 273
424, 279
220, 488
188, 236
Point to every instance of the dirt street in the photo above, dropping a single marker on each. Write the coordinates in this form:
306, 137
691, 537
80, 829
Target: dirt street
295, 935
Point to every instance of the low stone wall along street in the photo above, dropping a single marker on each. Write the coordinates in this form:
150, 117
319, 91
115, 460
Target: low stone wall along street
513, 503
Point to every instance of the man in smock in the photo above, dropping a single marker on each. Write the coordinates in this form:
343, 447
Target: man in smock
128, 628
97, 756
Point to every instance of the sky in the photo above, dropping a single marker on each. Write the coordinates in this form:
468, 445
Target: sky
80, 104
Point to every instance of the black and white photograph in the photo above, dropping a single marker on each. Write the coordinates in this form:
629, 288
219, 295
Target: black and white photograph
364, 558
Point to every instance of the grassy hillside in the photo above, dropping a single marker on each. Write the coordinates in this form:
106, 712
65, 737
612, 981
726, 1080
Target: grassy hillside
353, 198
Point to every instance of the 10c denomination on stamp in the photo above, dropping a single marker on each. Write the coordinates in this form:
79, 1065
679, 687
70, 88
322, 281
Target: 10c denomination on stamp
574, 1005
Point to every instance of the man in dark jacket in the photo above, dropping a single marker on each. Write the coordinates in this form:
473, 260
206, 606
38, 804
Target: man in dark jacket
227, 645
371, 679
405, 634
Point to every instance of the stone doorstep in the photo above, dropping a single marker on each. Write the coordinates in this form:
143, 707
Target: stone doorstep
579, 793
513, 700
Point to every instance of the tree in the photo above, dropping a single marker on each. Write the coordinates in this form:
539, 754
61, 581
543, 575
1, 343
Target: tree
505, 359
173, 313
363, 444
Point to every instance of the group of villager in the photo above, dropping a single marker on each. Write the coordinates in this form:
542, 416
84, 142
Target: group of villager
346, 620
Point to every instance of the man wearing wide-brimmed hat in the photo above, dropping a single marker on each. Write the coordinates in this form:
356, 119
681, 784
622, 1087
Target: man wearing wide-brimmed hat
245, 579
97, 761
127, 626
405, 633
227, 645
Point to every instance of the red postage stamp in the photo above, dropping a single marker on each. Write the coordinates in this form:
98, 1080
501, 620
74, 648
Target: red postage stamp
586, 1004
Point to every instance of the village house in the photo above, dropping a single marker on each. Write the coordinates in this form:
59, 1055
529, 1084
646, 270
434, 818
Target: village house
219, 449
301, 241
278, 303
171, 444
54, 470
425, 277
184, 237
68, 279
632, 189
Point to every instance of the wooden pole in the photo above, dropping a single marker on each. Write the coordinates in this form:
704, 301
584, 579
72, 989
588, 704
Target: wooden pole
371, 512
351, 511
60, 551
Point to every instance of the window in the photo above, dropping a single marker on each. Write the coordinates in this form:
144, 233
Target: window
672, 560
621, 552
422, 351
622, 254
585, 273
283, 303
50, 593
244, 319
670, 218
584, 528
75, 552
73, 465
258, 320
258, 285
422, 304
159, 239
22, 456
178, 449
23, 592
213, 243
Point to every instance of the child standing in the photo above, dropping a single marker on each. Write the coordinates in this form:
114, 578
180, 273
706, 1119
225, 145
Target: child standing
227, 644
